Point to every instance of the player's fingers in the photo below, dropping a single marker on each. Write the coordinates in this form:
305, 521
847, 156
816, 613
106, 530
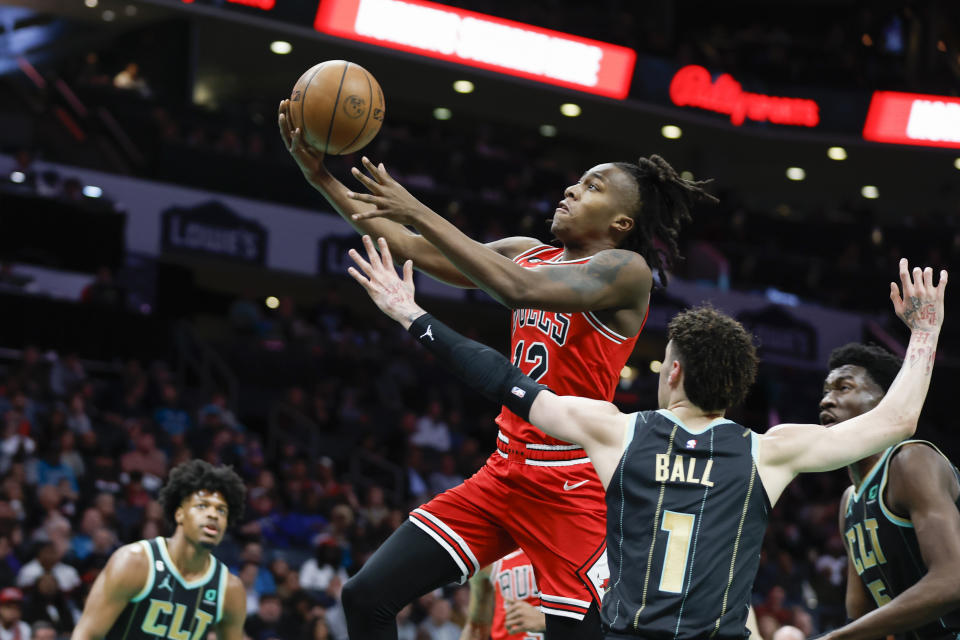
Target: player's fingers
904, 274
408, 272
365, 180
943, 282
372, 254
928, 278
363, 264
372, 168
385, 251
372, 213
384, 176
359, 278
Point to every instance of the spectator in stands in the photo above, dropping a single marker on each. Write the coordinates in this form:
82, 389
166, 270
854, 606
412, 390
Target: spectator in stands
318, 629
48, 603
49, 469
327, 563
253, 553
146, 458
248, 576
70, 457
438, 626
430, 429
42, 630
13, 444
104, 291
130, 79
245, 315
66, 375
446, 477
406, 629
9, 565
48, 560
265, 623
77, 419
11, 626
32, 373
171, 417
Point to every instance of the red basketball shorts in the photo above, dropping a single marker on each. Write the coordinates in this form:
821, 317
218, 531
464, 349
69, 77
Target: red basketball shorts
549, 503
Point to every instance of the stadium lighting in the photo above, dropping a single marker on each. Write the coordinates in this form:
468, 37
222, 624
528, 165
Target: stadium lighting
130, 10
18, 177
92, 191
655, 366
686, 175
463, 86
281, 47
671, 132
548, 130
870, 192
442, 113
956, 164
837, 153
796, 174
92, 4
570, 110
628, 373
272, 302
108, 15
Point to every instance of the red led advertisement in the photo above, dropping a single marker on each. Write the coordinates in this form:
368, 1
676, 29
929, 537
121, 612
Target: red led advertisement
486, 42
913, 118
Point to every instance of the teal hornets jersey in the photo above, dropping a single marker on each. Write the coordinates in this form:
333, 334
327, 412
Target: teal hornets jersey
686, 515
169, 606
883, 545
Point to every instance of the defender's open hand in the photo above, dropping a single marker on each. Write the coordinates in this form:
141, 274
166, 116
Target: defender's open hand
921, 307
391, 294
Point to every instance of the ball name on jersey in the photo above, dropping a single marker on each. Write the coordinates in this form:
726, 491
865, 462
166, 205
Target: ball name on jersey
554, 325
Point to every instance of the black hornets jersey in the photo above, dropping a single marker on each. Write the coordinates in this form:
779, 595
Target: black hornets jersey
170, 606
883, 545
686, 572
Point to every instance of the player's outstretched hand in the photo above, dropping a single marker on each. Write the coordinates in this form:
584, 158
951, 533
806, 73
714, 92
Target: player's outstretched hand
392, 200
388, 291
921, 306
309, 160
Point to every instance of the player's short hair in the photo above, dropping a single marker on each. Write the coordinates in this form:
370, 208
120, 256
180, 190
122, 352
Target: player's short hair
198, 475
663, 205
718, 356
881, 365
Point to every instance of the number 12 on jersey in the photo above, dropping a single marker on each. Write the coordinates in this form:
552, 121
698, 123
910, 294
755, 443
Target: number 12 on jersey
536, 354
679, 527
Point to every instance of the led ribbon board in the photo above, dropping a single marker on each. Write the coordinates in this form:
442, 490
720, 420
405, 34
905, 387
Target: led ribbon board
692, 86
913, 118
486, 42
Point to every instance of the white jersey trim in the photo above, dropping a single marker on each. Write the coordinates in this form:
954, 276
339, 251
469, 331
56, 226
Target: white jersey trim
602, 329
443, 543
554, 447
502, 437
453, 534
556, 463
562, 600
532, 250
561, 612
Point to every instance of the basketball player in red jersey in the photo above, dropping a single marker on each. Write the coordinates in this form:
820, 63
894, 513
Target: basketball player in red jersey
577, 312
505, 601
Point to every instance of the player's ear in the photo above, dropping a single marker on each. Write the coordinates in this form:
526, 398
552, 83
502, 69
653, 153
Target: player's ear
178, 515
676, 370
624, 222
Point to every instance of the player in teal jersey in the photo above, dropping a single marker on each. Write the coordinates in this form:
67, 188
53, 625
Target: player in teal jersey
688, 491
174, 587
900, 520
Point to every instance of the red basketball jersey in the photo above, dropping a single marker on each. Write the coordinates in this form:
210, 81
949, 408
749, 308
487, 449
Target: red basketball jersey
572, 353
512, 577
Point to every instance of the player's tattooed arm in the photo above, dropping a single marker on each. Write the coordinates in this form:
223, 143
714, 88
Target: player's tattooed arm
122, 578
480, 611
787, 450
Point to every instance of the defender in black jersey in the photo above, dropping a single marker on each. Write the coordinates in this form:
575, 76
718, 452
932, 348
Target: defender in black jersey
688, 491
900, 519
174, 587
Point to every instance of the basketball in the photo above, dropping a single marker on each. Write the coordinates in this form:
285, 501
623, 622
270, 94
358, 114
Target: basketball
338, 105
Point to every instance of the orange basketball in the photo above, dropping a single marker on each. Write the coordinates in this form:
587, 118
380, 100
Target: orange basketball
338, 105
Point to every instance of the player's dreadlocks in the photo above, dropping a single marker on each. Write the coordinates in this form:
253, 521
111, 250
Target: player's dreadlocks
196, 475
665, 201
881, 365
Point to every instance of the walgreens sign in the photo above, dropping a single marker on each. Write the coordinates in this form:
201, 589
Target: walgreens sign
692, 86
913, 118
482, 41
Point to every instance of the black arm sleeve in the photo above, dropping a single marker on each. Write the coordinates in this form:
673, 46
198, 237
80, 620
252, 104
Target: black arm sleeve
478, 365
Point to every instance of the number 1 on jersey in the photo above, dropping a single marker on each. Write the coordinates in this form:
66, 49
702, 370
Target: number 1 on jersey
679, 526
